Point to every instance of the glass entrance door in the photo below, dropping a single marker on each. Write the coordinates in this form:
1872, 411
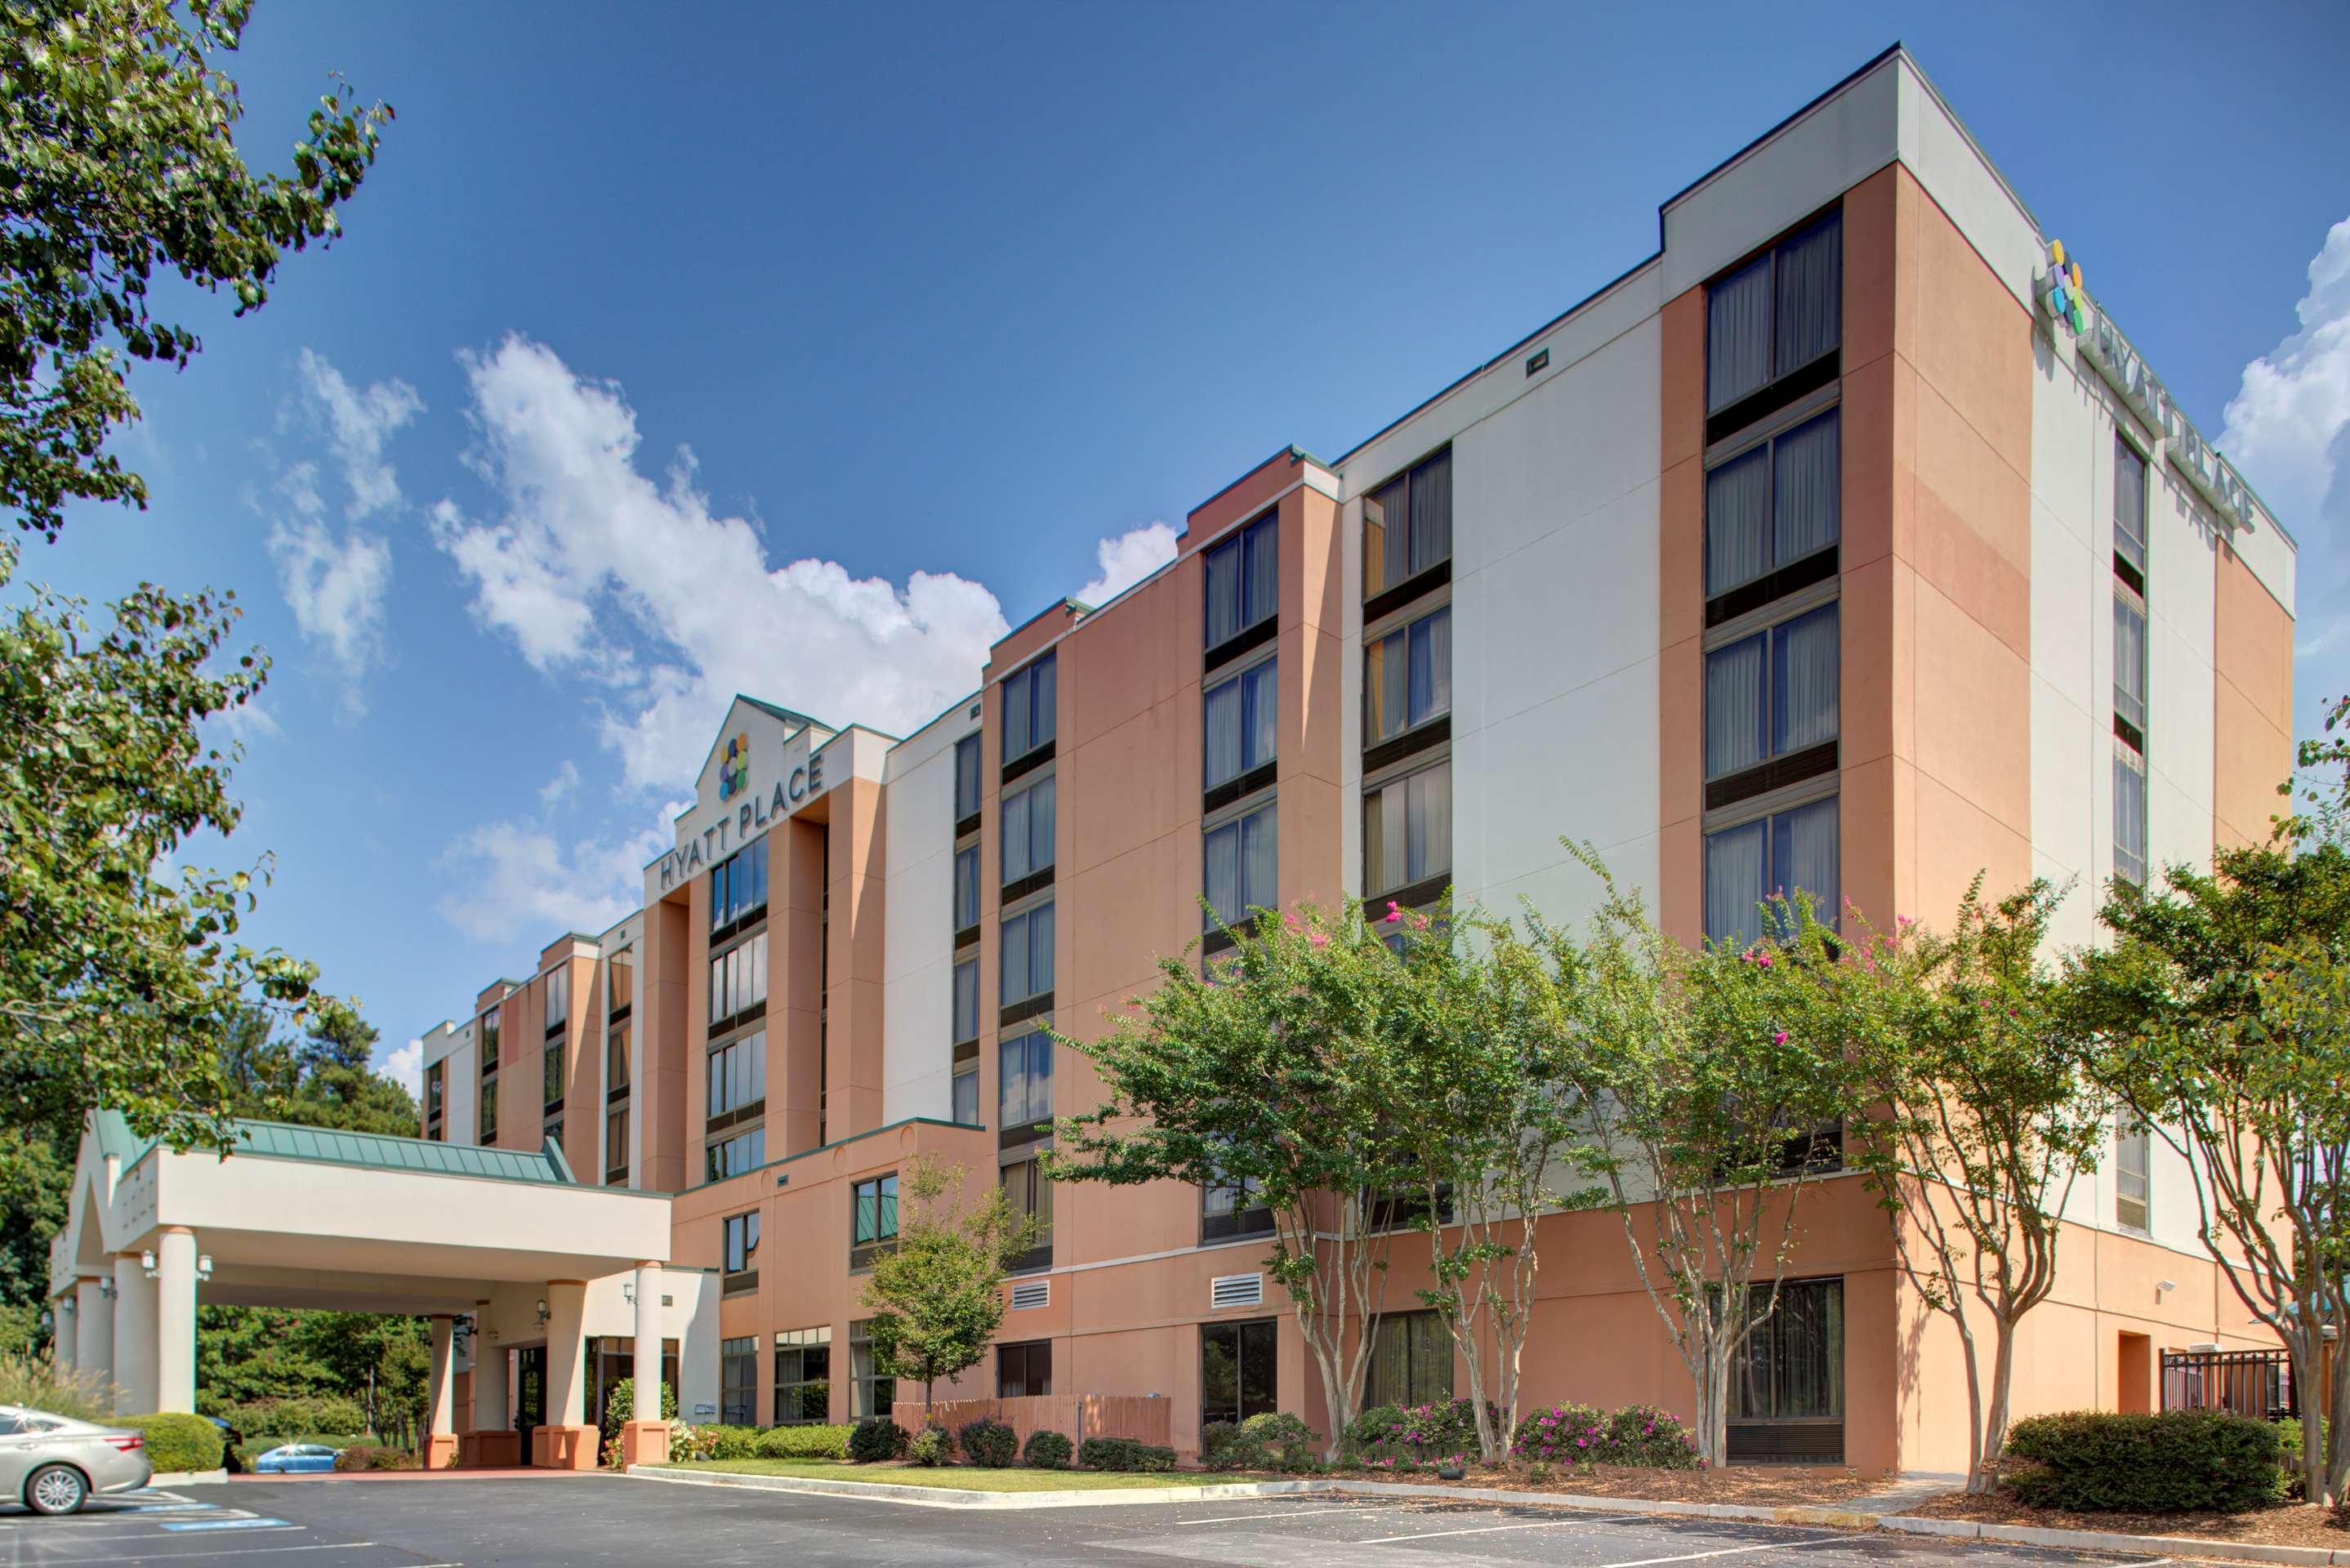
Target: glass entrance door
530, 1393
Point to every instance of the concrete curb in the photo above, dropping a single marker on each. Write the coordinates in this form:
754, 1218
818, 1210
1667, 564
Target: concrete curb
186, 1477
2104, 1541
950, 1497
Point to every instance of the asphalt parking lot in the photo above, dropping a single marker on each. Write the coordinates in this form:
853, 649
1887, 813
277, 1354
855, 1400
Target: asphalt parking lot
462, 1524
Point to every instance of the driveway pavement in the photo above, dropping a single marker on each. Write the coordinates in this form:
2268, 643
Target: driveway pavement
609, 1520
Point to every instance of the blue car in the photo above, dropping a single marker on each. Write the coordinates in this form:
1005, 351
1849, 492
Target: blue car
295, 1458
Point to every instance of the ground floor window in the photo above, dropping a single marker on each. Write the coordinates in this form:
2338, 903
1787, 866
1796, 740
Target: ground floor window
1411, 1360
1023, 1370
869, 1393
804, 1375
1787, 1390
738, 1381
1239, 1369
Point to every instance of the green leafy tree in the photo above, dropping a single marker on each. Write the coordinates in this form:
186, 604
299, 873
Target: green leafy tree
1982, 1120
1273, 1076
1716, 1081
118, 131
938, 1298
2221, 1015
244, 1355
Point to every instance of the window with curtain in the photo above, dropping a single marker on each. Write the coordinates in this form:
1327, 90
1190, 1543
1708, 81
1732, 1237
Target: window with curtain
1028, 830
1030, 707
621, 987
1411, 1360
615, 1059
1026, 951
1407, 525
733, 1155
1030, 1193
2129, 813
1776, 314
1238, 716
1772, 693
966, 1001
804, 1375
1240, 1369
1242, 867
966, 766
616, 1147
738, 887
1233, 1209
1781, 853
1023, 1371
2129, 658
738, 1381
738, 1073
1408, 830
1244, 580
2133, 1144
2129, 504
738, 979
965, 1092
1790, 1366
1407, 677
872, 1217
558, 997
966, 887
1024, 1082
1774, 503
869, 1392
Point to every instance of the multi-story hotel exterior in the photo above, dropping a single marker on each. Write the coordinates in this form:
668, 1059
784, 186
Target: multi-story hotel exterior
1841, 544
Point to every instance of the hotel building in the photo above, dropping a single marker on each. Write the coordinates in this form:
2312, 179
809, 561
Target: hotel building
1842, 543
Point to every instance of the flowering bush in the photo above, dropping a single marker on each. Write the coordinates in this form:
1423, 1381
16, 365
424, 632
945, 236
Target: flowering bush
687, 1441
1579, 1434
1560, 1434
1644, 1435
1405, 1437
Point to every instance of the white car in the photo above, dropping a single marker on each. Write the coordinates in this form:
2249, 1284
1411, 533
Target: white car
52, 1463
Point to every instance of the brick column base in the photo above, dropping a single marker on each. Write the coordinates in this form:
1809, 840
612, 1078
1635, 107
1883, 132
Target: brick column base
441, 1451
644, 1443
562, 1448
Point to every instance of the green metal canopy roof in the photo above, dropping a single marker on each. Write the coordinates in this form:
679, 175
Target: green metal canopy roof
376, 1151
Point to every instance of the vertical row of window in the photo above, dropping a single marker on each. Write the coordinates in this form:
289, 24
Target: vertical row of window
436, 1097
2129, 661
965, 1024
734, 1064
485, 1035
619, 991
1028, 828
1774, 527
1240, 728
1407, 845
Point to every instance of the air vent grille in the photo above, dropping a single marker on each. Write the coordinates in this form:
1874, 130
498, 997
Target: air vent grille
1031, 1293
1235, 1291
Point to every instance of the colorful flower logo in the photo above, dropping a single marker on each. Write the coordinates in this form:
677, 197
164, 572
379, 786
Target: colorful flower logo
734, 767
2061, 293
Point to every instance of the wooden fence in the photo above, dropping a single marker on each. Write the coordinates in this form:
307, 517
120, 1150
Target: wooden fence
1077, 1416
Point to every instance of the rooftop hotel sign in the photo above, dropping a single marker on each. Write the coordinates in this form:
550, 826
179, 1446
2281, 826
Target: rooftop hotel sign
755, 807
2073, 313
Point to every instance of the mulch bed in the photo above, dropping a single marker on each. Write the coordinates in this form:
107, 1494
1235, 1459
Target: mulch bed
2288, 1525
1822, 1486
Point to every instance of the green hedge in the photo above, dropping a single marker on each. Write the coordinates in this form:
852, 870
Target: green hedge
732, 1442
292, 1420
877, 1437
1124, 1454
2099, 1461
817, 1443
372, 1457
177, 1443
1048, 1451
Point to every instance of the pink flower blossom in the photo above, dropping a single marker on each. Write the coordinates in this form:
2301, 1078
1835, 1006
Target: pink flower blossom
1765, 961
1778, 1037
1319, 939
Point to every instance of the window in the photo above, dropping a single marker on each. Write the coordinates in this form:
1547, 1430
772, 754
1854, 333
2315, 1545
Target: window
1023, 1371
804, 1376
1027, 955
738, 889
2132, 1144
1407, 525
966, 1001
1233, 1209
551, 1131
436, 1090
1407, 677
1242, 863
1411, 1360
872, 1217
551, 1073
738, 1381
488, 1033
489, 1110
1239, 1370
1775, 315
1774, 505
620, 988
966, 887
742, 1249
1772, 694
1408, 830
1244, 580
616, 1061
1781, 853
1024, 1082
1239, 718
2129, 507
869, 1393
966, 1096
1788, 1375
1030, 708
738, 1074
557, 991
2129, 661
2129, 813
966, 764
733, 1155
738, 980
1028, 830
616, 1147
1030, 1193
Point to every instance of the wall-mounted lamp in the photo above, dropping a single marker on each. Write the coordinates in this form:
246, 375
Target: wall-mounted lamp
69, 1306
147, 1262
627, 1290
106, 1290
203, 1265
542, 1309
2164, 1287
49, 1319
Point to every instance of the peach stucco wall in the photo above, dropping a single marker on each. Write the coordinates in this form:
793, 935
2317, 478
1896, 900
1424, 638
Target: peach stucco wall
2251, 704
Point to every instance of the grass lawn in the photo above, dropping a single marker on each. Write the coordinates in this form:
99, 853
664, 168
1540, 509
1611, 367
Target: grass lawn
961, 1477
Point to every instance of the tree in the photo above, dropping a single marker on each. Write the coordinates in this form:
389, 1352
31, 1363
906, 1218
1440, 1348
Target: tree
1982, 1120
1716, 1086
938, 1299
248, 1354
118, 134
2222, 1017
1270, 1076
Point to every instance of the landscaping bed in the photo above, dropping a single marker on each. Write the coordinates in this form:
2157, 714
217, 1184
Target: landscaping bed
960, 1478
1772, 1486
2285, 1524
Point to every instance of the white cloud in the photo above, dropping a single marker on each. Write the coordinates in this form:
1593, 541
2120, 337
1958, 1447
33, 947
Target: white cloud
552, 793
405, 1066
249, 722
2288, 430
357, 425
511, 879
1126, 560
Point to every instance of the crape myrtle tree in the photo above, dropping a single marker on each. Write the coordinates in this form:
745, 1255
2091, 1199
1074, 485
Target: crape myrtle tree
2219, 1016
119, 160
1272, 1074
937, 1297
1716, 1081
1981, 1119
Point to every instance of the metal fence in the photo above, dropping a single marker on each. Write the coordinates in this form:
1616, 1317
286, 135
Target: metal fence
2247, 1382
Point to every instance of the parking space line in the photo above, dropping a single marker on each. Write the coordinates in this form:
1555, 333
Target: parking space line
1529, 1524
1284, 1513
1731, 1552
244, 1552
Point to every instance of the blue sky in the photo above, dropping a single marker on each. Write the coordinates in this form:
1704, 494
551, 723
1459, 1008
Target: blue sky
675, 349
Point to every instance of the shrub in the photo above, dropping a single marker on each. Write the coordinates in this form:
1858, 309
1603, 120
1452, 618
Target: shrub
288, 1420
374, 1456
817, 1442
2289, 1436
1124, 1454
930, 1446
1409, 1437
28, 1377
734, 1442
989, 1443
1285, 1442
1048, 1451
1644, 1435
1220, 1447
876, 1437
1566, 1434
2178, 1462
688, 1441
176, 1443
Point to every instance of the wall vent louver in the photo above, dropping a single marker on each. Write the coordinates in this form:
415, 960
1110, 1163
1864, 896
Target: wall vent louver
1031, 1293
1235, 1291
